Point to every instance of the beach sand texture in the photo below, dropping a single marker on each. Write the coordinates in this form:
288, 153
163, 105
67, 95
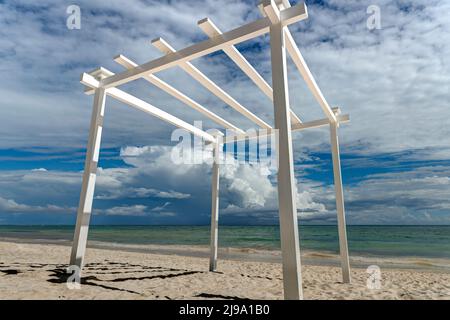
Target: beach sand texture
37, 271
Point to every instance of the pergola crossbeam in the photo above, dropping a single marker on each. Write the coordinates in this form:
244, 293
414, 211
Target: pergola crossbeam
129, 64
212, 31
139, 104
201, 78
297, 127
235, 36
298, 60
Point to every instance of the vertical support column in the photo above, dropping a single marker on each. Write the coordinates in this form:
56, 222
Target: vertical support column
343, 247
292, 279
215, 207
89, 176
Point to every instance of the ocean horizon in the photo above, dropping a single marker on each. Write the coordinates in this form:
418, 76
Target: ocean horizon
427, 241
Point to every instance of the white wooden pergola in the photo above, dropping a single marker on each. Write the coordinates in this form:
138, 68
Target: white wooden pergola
277, 15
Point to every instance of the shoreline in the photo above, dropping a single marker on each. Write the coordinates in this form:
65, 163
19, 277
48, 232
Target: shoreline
309, 257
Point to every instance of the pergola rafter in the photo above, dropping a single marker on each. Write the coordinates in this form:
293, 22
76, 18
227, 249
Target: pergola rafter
127, 63
277, 16
139, 104
212, 31
210, 85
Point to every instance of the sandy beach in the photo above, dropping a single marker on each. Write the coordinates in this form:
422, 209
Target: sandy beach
37, 271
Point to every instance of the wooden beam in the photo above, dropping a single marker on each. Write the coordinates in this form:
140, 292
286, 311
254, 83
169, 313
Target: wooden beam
139, 104
129, 64
287, 190
270, 9
297, 127
283, 4
319, 123
215, 206
303, 68
195, 73
212, 31
340, 210
88, 183
235, 36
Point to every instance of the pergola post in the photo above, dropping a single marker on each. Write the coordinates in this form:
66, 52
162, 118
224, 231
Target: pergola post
343, 247
215, 206
89, 176
292, 278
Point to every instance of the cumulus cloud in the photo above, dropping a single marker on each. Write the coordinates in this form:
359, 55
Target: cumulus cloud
151, 187
251, 188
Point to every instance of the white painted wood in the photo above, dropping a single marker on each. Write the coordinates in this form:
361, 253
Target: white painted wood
101, 73
148, 108
214, 208
235, 36
292, 278
303, 68
283, 4
139, 104
164, 47
271, 11
293, 14
269, 8
89, 176
213, 31
278, 14
129, 64
343, 247
297, 127
319, 123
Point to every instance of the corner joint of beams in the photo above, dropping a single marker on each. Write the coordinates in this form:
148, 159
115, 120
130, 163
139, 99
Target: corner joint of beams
280, 13
271, 11
91, 80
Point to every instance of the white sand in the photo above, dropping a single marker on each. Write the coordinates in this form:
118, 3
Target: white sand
36, 271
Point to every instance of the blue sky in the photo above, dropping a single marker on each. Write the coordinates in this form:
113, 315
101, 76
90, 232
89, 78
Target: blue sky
394, 83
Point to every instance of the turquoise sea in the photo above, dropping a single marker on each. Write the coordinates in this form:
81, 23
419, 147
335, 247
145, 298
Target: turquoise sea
390, 241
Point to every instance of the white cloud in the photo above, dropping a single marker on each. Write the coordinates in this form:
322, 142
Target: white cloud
418, 196
153, 188
11, 206
160, 208
123, 192
136, 210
